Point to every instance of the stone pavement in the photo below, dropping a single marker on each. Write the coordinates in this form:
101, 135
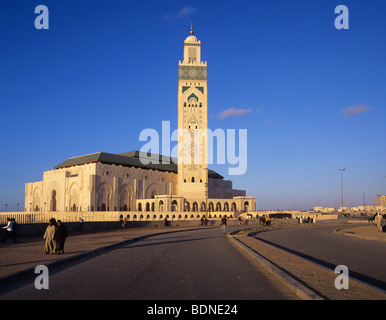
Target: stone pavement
28, 252
368, 232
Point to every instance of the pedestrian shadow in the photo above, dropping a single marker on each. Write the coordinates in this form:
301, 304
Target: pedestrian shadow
158, 243
53, 258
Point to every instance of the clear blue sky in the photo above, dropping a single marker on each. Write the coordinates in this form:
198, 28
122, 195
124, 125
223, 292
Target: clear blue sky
105, 70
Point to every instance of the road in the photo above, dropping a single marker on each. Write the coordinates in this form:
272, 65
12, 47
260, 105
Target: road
191, 265
365, 259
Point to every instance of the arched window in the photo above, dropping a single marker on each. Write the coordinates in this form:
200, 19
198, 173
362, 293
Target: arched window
192, 179
53, 201
174, 205
246, 206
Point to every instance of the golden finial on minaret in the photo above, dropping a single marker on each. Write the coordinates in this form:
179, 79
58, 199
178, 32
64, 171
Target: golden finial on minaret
191, 29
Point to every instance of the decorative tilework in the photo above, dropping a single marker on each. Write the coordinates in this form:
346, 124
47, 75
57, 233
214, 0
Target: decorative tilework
192, 96
184, 88
192, 73
201, 89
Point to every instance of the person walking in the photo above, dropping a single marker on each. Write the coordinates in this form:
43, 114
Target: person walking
49, 236
80, 223
267, 222
8, 231
61, 234
14, 229
224, 223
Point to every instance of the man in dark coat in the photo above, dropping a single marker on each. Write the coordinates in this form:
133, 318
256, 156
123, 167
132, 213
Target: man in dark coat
61, 235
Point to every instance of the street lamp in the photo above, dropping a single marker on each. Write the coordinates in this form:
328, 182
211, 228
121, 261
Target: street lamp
6, 209
206, 192
17, 207
341, 182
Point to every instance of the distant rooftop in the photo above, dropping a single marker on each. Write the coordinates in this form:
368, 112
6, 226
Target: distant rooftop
130, 159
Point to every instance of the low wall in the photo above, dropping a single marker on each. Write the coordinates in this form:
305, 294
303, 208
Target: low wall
36, 229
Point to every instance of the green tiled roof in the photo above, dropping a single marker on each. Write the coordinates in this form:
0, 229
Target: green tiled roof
129, 159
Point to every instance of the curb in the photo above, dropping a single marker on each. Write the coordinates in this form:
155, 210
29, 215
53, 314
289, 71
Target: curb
295, 286
30, 272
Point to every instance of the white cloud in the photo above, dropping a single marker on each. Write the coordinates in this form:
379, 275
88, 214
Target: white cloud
183, 13
355, 110
233, 112
186, 12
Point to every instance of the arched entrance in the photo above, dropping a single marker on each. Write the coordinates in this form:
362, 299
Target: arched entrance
53, 201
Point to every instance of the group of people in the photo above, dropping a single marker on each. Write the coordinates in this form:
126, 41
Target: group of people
9, 230
204, 221
122, 221
264, 220
55, 236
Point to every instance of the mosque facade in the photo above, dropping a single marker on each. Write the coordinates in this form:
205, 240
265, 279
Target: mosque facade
124, 182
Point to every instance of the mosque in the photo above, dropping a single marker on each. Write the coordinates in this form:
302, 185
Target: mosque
122, 182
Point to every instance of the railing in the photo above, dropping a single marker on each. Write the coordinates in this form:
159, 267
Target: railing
43, 217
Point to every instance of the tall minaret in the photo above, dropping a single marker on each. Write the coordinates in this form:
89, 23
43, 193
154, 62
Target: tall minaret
193, 118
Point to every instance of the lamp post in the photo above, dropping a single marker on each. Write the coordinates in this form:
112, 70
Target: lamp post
17, 207
6, 207
384, 177
341, 182
206, 192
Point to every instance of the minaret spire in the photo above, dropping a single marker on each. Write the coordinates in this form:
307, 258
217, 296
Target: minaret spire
191, 29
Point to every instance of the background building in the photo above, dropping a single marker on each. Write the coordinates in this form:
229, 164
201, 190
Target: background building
380, 200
